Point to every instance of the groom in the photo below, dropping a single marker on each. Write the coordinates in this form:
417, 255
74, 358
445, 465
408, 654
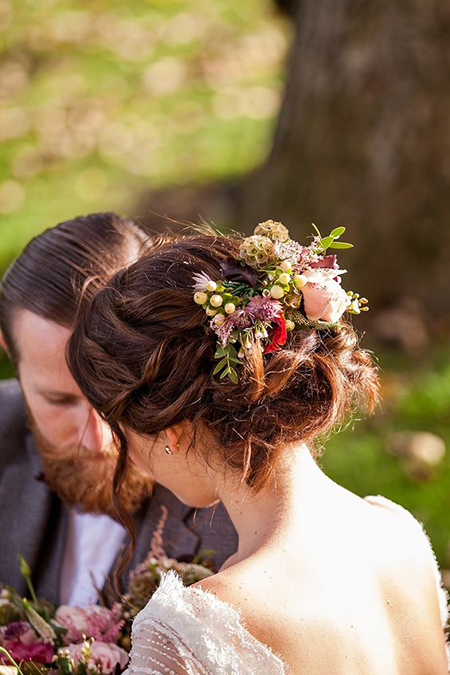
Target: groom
57, 456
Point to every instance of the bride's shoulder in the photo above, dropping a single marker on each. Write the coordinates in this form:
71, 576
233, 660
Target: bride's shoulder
189, 629
415, 548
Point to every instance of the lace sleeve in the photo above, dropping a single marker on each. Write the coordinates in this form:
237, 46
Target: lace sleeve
159, 650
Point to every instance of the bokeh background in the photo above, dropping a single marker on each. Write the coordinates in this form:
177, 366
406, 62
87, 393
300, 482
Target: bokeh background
329, 111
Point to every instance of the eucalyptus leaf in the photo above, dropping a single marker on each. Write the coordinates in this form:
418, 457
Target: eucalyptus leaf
220, 352
326, 242
233, 375
337, 232
220, 365
232, 350
225, 373
340, 244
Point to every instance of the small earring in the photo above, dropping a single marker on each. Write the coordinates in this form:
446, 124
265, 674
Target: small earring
168, 450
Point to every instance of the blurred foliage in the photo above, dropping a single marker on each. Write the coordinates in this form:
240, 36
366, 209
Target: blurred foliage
99, 100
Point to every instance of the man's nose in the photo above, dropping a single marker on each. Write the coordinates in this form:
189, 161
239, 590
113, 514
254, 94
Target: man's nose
96, 435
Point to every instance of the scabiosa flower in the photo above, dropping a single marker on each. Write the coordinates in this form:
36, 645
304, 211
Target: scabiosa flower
273, 229
257, 251
263, 308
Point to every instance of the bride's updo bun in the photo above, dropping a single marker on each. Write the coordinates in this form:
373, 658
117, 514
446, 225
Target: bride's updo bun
144, 355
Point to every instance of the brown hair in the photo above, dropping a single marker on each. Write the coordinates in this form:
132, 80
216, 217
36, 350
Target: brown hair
143, 355
48, 276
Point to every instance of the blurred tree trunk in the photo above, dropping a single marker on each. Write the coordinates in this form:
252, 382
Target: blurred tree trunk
363, 140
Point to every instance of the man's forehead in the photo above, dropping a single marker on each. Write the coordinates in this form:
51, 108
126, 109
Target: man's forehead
41, 343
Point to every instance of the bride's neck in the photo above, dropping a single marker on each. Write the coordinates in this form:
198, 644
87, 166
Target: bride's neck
279, 506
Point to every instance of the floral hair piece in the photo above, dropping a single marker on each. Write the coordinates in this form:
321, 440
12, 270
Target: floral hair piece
276, 285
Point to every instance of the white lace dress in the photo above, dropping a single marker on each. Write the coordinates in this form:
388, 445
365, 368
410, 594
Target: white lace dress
188, 631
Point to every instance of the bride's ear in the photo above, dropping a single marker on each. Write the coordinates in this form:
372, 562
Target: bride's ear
178, 436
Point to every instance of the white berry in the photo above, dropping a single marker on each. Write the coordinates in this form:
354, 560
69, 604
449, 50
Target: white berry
286, 265
200, 298
284, 278
230, 308
276, 292
216, 300
211, 286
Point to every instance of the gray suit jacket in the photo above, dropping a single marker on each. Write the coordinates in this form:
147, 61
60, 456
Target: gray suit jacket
33, 520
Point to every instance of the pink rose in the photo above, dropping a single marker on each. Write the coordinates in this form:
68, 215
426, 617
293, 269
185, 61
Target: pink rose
97, 622
324, 297
104, 656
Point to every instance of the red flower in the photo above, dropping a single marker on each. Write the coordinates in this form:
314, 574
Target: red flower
278, 335
38, 651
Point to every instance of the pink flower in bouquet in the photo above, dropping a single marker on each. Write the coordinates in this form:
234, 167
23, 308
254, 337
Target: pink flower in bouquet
104, 657
38, 652
18, 631
324, 297
99, 623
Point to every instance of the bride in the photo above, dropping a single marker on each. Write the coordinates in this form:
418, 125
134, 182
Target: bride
219, 362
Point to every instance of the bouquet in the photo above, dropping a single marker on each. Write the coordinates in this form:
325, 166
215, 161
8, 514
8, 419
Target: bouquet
37, 636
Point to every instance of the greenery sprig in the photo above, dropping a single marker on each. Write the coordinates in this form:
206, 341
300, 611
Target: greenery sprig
228, 356
331, 240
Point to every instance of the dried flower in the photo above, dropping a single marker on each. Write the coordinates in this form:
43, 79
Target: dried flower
257, 251
272, 229
42, 628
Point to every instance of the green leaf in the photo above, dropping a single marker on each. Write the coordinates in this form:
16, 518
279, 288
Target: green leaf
326, 242
233, 375
225, 373
340, 244
231, 351
81, 669
220, 365
337, 232
220, 352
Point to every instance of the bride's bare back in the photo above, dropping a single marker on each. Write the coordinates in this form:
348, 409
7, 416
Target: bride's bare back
355, 592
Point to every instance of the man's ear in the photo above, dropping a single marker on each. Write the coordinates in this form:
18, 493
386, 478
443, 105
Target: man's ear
3, 343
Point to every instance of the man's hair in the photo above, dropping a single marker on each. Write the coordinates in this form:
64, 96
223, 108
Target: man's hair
49, 276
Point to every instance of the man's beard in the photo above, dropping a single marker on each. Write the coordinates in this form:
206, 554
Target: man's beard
84, 479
